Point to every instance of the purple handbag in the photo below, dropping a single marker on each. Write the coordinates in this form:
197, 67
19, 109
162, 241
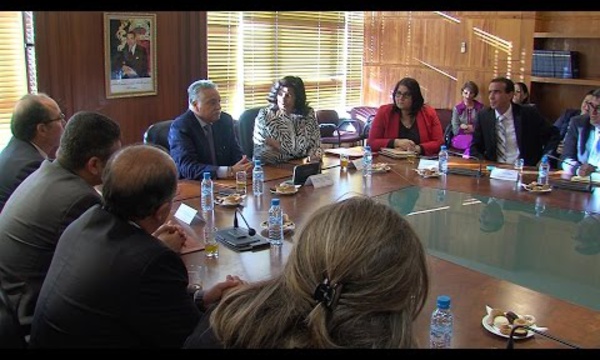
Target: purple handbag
462, 141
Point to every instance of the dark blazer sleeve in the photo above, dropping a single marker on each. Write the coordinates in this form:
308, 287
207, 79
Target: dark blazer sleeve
571, 155
166, 312
227, 146
186, 148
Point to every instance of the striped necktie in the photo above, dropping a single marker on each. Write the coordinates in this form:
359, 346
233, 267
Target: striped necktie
501, 140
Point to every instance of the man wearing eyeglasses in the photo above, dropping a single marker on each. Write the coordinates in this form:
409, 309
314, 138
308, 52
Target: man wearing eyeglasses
36, 125
581, 153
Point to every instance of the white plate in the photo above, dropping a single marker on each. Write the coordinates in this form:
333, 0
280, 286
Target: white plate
288, 226
526, 187
219, 201
494, 330
274, 191
421, 172
381, 167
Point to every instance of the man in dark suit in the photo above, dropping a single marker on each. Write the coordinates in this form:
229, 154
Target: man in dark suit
133, 59
36, 124
117, 279
47, 202
202, 139
581, 153
507, 131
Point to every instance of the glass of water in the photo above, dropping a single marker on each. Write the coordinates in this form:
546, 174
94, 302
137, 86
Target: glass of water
519, 163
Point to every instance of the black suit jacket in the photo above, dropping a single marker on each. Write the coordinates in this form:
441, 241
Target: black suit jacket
111, 284
574, 151
17, 161
189, 145
138, 61
535, 136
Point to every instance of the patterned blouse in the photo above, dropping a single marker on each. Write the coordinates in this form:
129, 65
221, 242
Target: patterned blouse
298, 135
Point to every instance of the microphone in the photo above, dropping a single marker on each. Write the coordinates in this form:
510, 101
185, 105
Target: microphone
568, 184
511, 340
463, 171
251, 231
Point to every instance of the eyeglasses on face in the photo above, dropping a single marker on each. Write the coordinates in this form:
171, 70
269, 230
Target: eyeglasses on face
400, 94
60, 117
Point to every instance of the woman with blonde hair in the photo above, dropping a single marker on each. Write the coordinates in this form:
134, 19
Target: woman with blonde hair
344, 286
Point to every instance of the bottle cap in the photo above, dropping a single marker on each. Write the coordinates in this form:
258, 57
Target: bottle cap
545, 158
275, 201
367, 147
443, 147
443, 302
206, 175
257, 162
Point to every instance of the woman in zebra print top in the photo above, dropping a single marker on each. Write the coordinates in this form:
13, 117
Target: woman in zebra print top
287, 128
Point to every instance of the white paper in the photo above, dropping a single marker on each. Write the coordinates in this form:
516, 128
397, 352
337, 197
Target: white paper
319, 180
428, 164
358, 163
185, 213
504, 174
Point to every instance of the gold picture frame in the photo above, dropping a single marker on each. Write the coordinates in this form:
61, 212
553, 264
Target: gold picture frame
130, 54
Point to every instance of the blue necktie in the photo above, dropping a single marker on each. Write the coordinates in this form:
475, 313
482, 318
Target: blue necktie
211, 144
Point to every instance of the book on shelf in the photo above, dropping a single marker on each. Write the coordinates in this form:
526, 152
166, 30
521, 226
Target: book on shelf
566, 64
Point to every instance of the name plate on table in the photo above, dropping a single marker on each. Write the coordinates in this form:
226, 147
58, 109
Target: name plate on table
185, 213
428, 164
358, 164
319, 180
504, 174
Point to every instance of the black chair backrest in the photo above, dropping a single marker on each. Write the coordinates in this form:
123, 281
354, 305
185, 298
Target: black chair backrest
247, 130
158, 134
11, 334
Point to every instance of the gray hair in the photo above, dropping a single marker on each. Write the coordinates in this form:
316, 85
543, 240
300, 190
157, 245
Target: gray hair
194, 89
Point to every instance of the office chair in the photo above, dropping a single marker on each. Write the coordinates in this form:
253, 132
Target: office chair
11, 334
246, 130
335, 131
158, 134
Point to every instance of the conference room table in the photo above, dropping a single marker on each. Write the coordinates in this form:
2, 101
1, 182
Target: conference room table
469, 289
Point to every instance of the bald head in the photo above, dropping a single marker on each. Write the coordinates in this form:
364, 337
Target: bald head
138, 179
31, 110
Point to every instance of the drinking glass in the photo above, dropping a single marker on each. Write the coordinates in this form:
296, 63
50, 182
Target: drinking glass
344, 160
195, 276
241, 181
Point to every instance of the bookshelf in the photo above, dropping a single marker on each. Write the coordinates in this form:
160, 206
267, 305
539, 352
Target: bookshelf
553, 95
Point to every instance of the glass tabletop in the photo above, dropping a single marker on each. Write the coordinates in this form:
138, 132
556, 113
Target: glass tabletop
550, 250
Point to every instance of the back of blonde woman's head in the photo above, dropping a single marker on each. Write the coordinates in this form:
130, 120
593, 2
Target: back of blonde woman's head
368, 253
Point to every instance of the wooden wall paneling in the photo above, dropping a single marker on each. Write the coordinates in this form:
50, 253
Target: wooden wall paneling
70, 60
426, 46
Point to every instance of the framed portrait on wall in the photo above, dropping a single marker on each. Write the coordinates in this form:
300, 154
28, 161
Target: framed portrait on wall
130, 54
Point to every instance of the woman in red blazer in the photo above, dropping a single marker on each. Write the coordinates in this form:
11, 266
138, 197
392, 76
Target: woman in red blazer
407, 124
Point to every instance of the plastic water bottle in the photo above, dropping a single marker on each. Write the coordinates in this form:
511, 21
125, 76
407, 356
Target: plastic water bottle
275, 223
367, 161
258, 177
443, 160
543, 171
440, 330
206, 193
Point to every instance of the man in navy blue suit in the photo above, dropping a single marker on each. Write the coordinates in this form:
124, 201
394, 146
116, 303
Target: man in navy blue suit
203, 138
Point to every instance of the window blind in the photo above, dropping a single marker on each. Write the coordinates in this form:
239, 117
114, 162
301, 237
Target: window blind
13, 71
323, 48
